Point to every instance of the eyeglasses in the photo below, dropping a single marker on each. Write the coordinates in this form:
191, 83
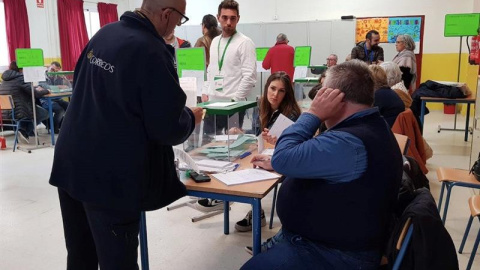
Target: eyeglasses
331, 59
184, 18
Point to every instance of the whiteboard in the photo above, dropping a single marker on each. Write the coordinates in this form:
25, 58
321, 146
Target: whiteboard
295, 31
319, 34
343, 38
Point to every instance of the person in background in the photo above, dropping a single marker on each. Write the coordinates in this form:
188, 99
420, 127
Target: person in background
388, 102
280, 57
394, 79
210, 31
176, 42
313, 92
406, 60
13, 84
278, 99
368, 50
59, 106
105, 176
232, 75
332, 60
342, 170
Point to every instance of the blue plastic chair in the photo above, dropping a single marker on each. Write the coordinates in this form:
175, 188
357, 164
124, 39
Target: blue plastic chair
474, 203
6, 103
403, 242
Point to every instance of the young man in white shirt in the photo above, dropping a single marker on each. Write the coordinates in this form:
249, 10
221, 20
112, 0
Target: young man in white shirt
232, 72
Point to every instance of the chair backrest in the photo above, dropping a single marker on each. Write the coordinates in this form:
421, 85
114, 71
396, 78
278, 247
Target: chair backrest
402, 243
6, 102
403, 142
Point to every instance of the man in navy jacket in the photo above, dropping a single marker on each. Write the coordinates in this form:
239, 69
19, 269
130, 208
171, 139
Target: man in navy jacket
114, 156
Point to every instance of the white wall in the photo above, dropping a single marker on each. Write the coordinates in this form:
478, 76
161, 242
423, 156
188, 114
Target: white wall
255, 11
44, 22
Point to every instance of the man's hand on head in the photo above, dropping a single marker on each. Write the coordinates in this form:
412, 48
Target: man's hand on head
327, 103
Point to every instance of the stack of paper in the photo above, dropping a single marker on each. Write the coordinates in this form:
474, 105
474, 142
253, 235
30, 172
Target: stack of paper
244, 176
208, 165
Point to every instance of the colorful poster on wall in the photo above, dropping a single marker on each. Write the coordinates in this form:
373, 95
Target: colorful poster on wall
365, 25
404, 25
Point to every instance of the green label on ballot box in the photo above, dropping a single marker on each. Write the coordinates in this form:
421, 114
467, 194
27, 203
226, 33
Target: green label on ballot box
302, 56
29, 57
261, 53
190, 59
458, 25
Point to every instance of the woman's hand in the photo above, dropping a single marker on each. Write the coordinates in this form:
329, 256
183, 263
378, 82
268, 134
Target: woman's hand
235, 130
262, 161
269, 138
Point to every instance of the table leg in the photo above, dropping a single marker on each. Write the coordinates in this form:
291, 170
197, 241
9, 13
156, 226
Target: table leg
256, 229
50, 114
226, 217
467, 121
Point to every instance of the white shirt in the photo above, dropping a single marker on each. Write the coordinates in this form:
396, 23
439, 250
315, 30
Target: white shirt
239, 68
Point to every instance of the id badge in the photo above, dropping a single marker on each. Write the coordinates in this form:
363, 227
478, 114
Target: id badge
218, 83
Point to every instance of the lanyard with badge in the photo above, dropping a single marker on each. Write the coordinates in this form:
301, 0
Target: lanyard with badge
218, 79
368, 56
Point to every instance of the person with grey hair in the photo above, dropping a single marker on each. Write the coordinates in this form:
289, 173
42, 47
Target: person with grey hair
394, 79
406, 60
280, 57
103, 187
318, 170
332, 60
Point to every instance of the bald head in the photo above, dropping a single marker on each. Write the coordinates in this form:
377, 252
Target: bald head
156, 5
165, 15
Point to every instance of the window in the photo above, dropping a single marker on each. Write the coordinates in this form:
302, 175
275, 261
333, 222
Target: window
4, 60
92, 21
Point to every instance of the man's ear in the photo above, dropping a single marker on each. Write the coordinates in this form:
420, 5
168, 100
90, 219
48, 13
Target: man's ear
238, 18
218, 17
165, 14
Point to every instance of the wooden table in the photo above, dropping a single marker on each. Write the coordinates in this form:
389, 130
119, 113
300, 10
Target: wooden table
455, 101
49, 99
250, 193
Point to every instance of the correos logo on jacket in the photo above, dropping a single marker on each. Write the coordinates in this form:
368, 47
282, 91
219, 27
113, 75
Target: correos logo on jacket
99, 62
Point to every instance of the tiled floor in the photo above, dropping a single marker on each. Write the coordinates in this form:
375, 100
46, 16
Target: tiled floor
31, 234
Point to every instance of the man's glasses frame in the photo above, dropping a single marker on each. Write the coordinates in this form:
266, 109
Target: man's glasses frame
184, 18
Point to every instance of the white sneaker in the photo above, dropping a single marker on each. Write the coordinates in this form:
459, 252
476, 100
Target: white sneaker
209, 205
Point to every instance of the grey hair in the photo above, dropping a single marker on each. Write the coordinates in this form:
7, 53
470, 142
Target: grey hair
394, 74
408, 41
354, 79
281, 37
334, 55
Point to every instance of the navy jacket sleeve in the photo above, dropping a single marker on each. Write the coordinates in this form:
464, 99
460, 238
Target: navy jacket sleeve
166, 118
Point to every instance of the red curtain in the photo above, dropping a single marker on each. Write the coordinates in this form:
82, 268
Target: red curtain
108, 13
72, 30
16, 22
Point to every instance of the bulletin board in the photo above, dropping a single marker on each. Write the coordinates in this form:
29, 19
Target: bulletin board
389, 28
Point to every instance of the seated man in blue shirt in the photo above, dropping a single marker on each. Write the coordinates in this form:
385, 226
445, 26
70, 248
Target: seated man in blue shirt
341, 187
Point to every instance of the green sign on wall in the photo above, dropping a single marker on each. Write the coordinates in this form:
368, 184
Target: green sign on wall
261, 53
458, 25
302, 56
29, 57
190, 59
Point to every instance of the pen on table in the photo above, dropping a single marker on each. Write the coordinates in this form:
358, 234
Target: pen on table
246, 154
236, 167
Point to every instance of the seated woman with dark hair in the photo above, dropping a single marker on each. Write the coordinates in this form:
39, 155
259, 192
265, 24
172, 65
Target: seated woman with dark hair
278, 99
387, 101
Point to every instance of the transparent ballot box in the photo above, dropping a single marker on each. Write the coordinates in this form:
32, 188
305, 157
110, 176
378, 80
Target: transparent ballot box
221, 135
58, 82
